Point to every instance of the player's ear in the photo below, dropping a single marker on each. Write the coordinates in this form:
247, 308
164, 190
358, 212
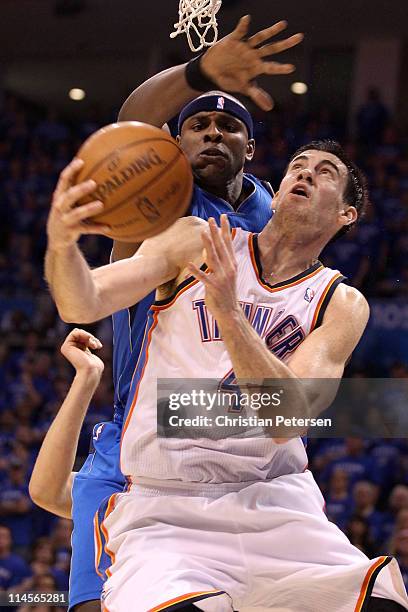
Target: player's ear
250, 151
349, 215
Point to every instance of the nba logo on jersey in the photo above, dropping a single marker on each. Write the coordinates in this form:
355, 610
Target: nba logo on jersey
220, 103
98, 431
309, 294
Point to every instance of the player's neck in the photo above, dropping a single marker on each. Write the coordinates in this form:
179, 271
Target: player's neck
284, 256
234, 191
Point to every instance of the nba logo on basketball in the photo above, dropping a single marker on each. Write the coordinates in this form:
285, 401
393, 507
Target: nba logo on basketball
220, 103
309, 294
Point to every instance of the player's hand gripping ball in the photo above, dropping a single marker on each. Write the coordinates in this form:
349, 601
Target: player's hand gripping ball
143, 179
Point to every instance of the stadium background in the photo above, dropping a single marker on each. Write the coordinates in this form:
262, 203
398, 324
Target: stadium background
354, 61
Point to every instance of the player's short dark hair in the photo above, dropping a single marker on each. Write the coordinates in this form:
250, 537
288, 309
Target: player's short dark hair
356, 191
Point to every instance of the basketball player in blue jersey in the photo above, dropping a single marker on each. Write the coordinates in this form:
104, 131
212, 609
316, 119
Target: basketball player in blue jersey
215, 130
220, 525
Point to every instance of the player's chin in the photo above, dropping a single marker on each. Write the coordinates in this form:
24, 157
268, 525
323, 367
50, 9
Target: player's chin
208, 163
299, 200
212, 173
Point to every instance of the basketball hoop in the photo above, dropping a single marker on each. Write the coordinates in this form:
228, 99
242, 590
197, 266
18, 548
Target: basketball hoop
197, 19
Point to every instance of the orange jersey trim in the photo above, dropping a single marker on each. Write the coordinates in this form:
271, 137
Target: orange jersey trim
382, 561
282, 286
322, 299
182, 598
98, 545
110, 507
149, 339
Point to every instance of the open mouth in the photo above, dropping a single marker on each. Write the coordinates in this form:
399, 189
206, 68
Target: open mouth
300, 190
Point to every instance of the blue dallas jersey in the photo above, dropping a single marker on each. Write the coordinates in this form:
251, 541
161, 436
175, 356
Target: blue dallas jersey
252, 215
100, 475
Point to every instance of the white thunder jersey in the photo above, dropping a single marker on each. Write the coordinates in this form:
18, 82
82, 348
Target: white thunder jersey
182, 341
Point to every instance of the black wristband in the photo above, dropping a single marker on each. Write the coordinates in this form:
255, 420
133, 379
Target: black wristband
195, 77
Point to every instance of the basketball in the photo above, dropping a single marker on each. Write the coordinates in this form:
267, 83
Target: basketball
142, 176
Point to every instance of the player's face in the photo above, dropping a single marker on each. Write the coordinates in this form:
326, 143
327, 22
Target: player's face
312, 192
216, 145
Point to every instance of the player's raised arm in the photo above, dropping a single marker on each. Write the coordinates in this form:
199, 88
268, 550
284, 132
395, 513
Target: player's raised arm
51, 480
83, 295
232, 65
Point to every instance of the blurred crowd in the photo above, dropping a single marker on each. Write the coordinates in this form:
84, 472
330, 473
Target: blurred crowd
365, 483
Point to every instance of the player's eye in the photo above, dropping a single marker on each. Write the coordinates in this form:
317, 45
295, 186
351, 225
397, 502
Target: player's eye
197, 127
327, 171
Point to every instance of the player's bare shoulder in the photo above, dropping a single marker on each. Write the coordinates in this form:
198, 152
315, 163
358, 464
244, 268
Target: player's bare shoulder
348, 305
351, 300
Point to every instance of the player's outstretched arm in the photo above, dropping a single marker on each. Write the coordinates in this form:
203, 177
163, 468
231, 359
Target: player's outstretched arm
83, 295
232, 64
51, 480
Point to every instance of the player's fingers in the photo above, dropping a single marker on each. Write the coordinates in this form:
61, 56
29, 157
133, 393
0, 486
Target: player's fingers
215, 230
81, 339
95, 228
94, 343
70, 197
280, 46
76, 215
67, 176
241, 29
264, 35
260, 97
219, 244
227, 237
80, 336
197, 273
212, 259
277, 68
226, 254
217, 239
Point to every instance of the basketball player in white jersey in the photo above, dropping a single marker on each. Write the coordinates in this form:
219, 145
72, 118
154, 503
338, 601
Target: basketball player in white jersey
234, 61
221, 525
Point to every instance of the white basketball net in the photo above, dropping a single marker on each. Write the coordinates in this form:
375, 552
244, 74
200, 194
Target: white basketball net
197, 20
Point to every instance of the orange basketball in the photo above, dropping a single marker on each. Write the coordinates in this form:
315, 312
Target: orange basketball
143, 178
